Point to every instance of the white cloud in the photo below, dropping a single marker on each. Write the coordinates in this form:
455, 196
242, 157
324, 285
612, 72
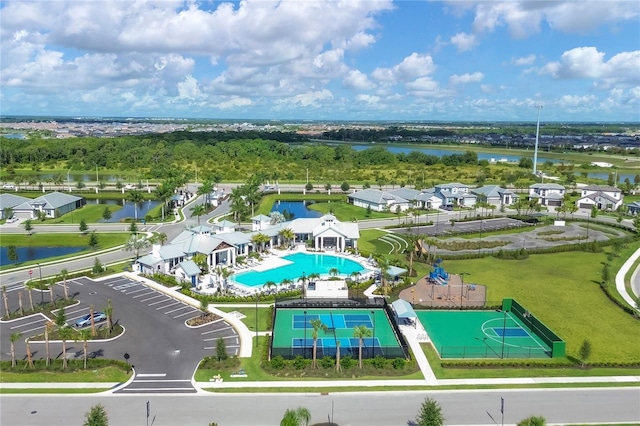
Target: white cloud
358, 81
425, 87
234, 102
588, 62
188, 89
309, 99
368, 99
412, 66
464, 41
524, 61
466, 78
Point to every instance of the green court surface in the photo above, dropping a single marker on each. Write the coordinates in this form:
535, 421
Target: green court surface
481, 334
293, 332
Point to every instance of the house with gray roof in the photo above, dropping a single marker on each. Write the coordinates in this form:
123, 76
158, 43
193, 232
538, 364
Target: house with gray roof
633, 208
495, 195
547, 194
53, 204
603, 197
379, 201
10, 201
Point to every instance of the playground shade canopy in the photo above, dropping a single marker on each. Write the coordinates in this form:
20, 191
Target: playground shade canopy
395, 271
403, 309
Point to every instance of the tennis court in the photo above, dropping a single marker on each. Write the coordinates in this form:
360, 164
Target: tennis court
293, 333
482, 334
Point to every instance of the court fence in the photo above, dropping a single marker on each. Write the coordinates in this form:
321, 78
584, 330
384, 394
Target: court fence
389, 352
557, 345
492, 352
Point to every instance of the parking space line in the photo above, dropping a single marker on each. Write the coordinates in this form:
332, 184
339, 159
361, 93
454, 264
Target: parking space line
151, 298
166, 306
124, 286
160, 301
216, 330
233, 336
33, 329
179, 309
24, 324
144, 294
186, 313
136, 291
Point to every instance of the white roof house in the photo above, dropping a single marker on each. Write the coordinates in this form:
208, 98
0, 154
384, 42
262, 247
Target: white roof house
548, 194
10, 201
603, 197
378, 201
53, 205
496, 195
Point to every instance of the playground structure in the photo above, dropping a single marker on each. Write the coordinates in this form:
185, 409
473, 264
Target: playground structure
441, 289
439, 276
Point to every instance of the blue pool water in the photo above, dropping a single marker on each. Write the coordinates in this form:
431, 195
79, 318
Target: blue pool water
300, 263
295, 209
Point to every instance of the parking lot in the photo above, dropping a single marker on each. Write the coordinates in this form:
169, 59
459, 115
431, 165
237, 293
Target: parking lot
161, 347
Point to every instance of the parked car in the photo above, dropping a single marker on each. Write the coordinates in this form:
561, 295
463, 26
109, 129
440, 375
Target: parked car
129, 186
8, 186
86, 320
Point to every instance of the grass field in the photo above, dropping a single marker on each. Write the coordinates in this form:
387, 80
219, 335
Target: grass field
562, 290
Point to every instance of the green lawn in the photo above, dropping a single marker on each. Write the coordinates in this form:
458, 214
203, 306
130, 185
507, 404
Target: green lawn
264, 316
562, 290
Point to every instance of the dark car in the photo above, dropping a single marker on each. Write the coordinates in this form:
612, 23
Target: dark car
86, 320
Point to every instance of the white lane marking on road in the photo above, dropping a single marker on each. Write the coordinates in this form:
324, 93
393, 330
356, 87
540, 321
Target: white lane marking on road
151, 375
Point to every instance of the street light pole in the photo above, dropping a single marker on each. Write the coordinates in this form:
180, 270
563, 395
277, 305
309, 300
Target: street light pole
41, 293
462, 274
373, 343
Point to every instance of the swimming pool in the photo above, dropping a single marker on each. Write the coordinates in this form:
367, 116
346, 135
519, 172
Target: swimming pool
297, 264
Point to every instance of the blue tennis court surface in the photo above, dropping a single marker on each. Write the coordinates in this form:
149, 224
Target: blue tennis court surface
510, 332
330, 342
337, 321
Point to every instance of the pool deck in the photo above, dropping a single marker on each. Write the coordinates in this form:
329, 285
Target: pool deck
271, 260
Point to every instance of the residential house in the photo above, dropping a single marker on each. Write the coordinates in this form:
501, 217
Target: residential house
603, 197
495, 195
53, 204
378, 201
10, 201
547, 194
455, 194
633, 208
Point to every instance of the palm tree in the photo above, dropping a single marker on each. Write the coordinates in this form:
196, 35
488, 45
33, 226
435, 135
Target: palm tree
317, 325
136, 197
20, 302
260, 240
299, 417
383, 264
161, 237
269, 284
199, 210
205, 189
108, 311
303, 279
47, 327
413, 246
6, 300
29, 287
355, 276
164, 192
360, 332
93, 321
65, 334
334, 272
64, 274
85, 336
14, 338
286, 282
52, 283
287, 234
136, 244
29, 354
238, 204
338, 366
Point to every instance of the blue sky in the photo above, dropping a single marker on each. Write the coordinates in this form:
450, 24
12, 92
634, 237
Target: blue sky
324, 60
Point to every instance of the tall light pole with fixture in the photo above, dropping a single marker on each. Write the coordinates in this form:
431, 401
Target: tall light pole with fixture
535, 151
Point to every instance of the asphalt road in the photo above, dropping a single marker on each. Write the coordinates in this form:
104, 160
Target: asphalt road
461, 407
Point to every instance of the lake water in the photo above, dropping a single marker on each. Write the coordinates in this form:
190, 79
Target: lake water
37, 253
442, 152
298, 209
127, 210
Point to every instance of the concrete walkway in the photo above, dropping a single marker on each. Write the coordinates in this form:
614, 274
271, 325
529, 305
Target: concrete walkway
620, 287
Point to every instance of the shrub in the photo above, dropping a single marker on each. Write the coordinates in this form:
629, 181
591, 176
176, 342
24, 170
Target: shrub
277, 362
399, 363
379, 362
299, 363
327, 362
347, 362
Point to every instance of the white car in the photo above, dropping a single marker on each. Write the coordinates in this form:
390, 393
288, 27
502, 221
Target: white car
8, 186
129, 186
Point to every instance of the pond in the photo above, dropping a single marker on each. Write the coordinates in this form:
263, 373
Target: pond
295, 209
442, 152
26, 254
127, 210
